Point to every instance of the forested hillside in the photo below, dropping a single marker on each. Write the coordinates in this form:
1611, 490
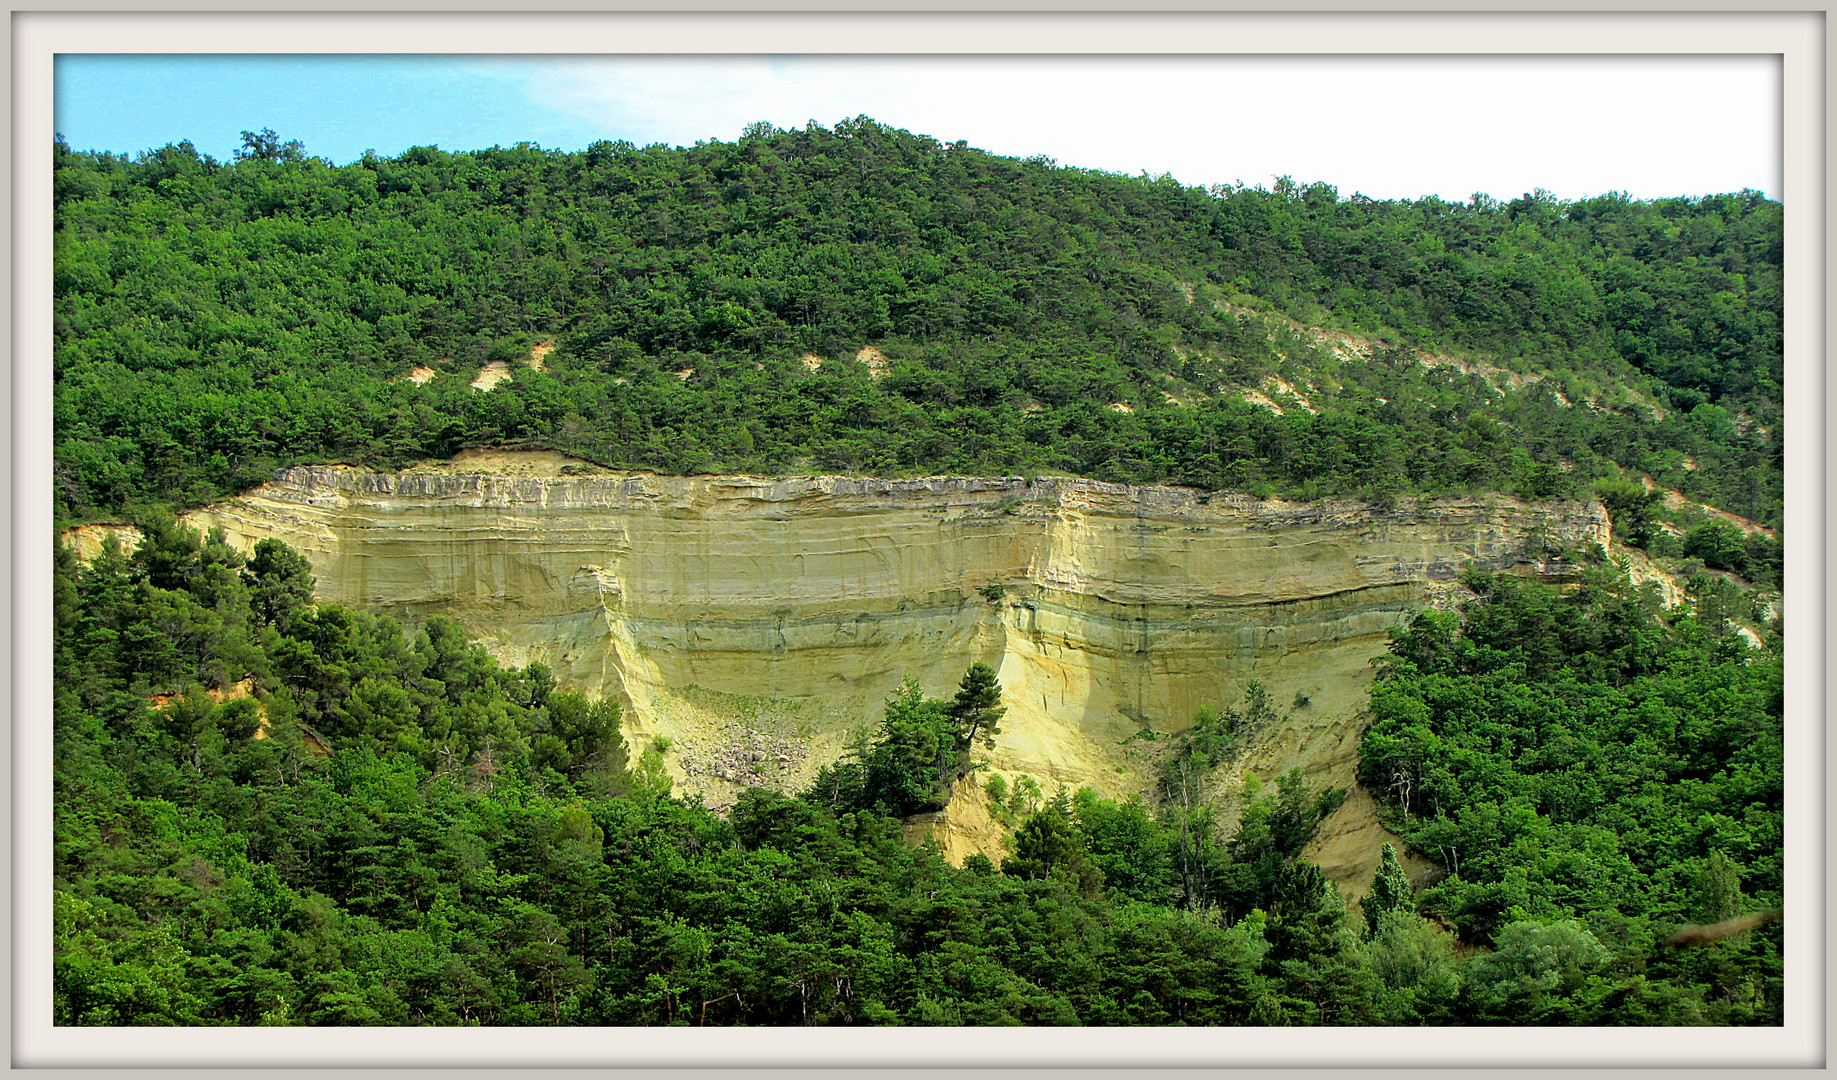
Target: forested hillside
216, 320
271, 812
396, 831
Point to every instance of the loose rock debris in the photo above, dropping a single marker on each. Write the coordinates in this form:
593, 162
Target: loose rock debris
744, 757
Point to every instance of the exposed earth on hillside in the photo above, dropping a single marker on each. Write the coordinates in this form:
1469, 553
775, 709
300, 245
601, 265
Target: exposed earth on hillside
788, 609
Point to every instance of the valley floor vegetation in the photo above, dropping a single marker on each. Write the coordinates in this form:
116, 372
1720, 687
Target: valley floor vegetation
275, 813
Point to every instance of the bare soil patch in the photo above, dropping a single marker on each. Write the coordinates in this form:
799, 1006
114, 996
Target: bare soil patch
493, 373
1640, 569
875, 360
496, 462
88, 539
1676, 501
1282, 386
1349, 847
1259, 398
962, 828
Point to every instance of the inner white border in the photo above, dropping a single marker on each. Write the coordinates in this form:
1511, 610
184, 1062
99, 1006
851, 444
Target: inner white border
37, 37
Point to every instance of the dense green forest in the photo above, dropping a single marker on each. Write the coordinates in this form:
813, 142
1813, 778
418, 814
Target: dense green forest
218, 320
422, 836
271, 812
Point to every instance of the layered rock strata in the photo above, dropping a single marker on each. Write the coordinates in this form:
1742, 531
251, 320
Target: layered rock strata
792, 607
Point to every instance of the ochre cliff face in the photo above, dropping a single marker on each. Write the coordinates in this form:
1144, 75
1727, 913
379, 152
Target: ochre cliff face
728, 609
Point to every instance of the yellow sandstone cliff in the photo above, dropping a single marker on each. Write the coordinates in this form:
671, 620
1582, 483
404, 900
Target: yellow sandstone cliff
758, 622
1104, 607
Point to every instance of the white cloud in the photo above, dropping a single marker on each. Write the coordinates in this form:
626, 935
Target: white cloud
681, 100
1390, 127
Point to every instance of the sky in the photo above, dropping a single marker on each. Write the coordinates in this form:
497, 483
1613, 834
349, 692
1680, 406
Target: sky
1388, 127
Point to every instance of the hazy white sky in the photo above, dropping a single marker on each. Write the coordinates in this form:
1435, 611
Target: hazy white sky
1384, 126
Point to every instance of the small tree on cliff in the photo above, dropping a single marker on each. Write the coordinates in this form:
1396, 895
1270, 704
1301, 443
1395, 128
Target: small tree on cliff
976, 709
1390, 893
907, 770
922, 749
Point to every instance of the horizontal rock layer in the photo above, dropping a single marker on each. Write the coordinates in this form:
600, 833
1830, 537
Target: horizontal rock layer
798, 604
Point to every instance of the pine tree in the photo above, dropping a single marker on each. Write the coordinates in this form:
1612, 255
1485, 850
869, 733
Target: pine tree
977, 707
1049, 845
1390, 893
280, 581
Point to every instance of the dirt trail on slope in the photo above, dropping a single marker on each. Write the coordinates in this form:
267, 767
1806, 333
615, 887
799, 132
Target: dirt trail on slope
1259, 398
1677, 501
1282, 386
1351, 347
